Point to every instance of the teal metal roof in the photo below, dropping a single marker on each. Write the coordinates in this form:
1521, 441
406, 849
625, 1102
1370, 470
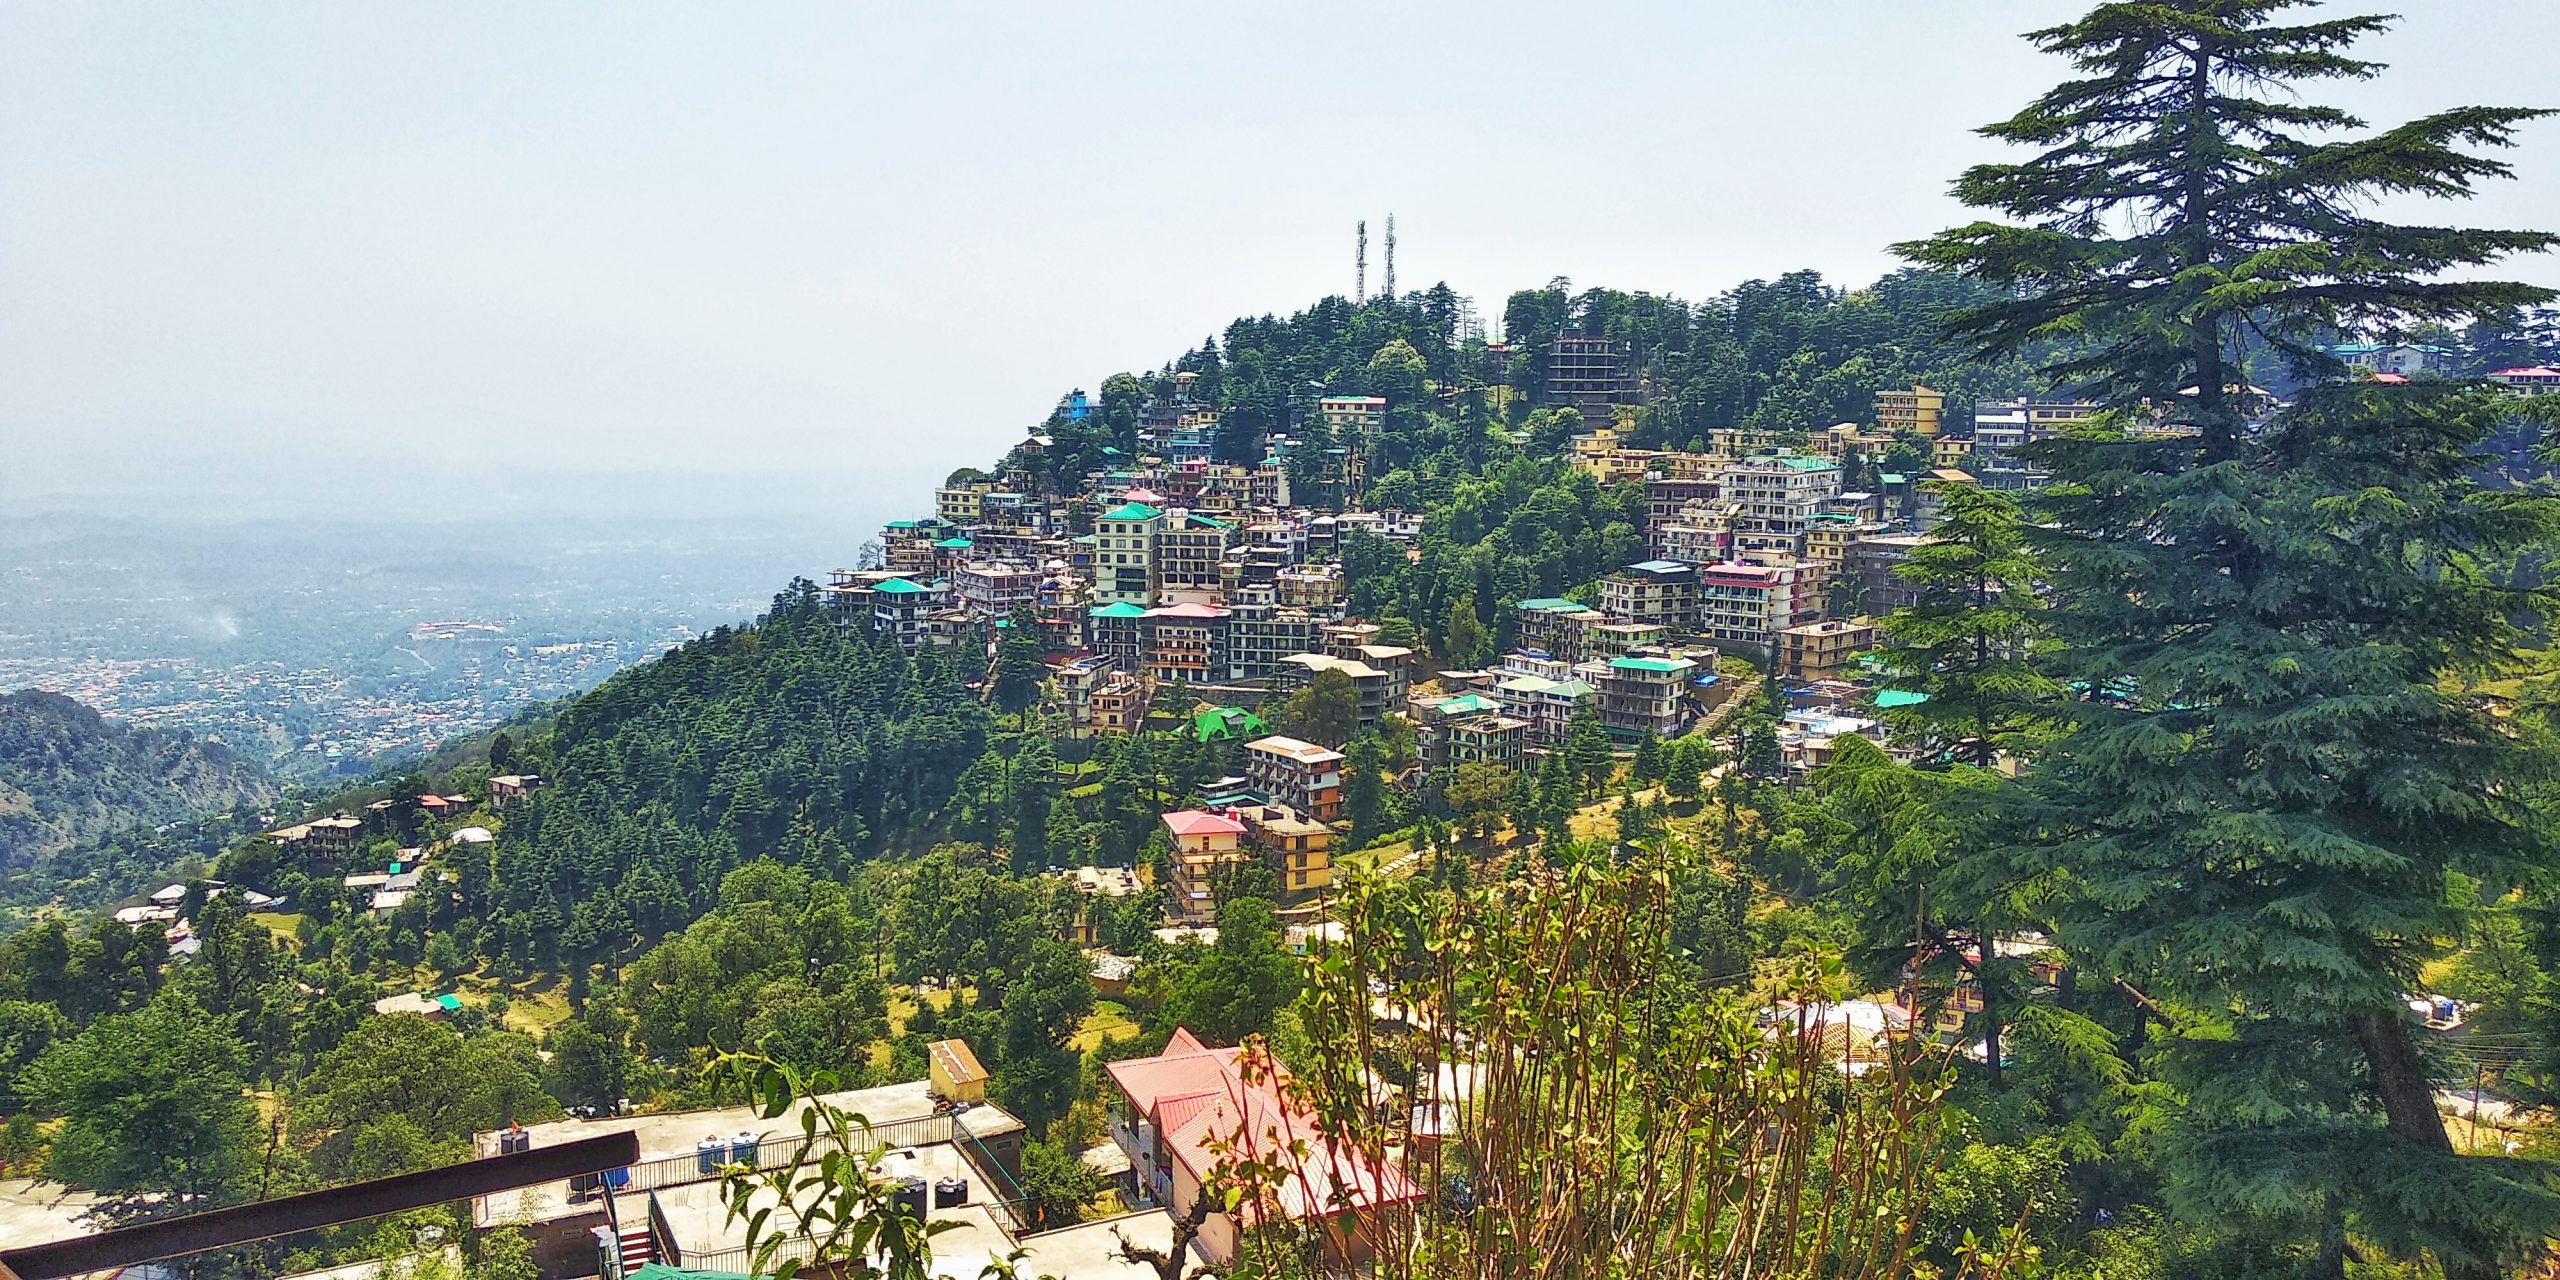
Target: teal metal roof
1121, 609
1665, 665
1551, 604
956, 544
1131, 511
1888, 699
898, 587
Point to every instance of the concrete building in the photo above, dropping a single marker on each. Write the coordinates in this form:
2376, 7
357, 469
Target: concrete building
1747, 603
1117, 633
1640, 696
1873, 559
1380, 691
1823, 650
1124, 546
1557, 627
1119, 704
1775, 496
1913, 412
1301, 775
992, 590
1189, 548
1299, 849
1592, 376
1185, 643
1353, 418
1203, 842
1660, 593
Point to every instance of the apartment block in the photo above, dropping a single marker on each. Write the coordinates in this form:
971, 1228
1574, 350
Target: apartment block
1775, 495
1660, 593
1640, 696
1301, 775
1124, 546
1913, 412
1825, 650
1747, 603
1298, 848
1203, 842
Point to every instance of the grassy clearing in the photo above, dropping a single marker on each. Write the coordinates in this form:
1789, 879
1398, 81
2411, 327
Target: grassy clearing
1109, 1018
281, 924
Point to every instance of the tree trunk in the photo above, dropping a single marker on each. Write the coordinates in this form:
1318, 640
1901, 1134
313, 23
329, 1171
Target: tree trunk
2408, 1100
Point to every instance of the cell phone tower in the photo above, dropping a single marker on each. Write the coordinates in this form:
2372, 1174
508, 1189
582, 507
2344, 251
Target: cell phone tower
1390, 291
1360, 266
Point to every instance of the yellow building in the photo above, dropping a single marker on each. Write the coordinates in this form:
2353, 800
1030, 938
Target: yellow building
1300, 851
1915, 412
1202, 842
1822, 650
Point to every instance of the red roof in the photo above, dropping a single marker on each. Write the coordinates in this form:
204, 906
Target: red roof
1201, 822
1199, 1100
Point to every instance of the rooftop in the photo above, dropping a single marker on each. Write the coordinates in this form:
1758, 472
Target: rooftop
1184, 823
1294, 749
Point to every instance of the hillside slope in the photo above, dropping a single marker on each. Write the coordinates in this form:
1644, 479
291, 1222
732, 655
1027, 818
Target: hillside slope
67, 774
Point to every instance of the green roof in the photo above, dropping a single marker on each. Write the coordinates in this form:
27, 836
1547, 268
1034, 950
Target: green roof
955, 543
1217, 723
1551, 604
1888, 699
1806, 462
1666, 665
1131, 511
1121, 609
1892, 477
449, 1002
898, 587
1197, 518
1467, 704
1570, 689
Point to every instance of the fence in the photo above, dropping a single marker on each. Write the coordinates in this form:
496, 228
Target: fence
773, 1153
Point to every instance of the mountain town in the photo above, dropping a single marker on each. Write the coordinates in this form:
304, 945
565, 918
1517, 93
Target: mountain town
2036, 765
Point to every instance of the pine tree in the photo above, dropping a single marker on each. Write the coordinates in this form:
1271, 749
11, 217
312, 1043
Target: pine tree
1966, 640
2259, 835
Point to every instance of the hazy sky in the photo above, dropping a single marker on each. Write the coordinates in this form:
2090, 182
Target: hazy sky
383, 244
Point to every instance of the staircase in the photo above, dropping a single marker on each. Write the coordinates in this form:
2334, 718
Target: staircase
633, 1244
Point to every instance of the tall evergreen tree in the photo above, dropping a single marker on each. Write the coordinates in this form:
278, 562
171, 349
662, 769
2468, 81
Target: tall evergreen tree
1966, 640
2254, 814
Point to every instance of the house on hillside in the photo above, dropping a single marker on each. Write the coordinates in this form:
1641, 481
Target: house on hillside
1186, 1115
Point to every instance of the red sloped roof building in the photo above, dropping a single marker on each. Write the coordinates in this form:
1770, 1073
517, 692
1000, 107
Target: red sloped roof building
1189, 1113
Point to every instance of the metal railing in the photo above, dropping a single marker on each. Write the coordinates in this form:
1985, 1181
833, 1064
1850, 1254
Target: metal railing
773, 1153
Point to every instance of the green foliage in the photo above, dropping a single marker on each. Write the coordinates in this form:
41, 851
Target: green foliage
152, 1103
2256, 816
1230, 990
1325, 711
68, 775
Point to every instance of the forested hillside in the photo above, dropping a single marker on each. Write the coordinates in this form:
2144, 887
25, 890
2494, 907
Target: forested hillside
69, 775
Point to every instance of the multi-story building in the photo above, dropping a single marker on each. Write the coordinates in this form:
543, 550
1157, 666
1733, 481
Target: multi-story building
1498, 740
1097, 890
1260, 633
1184, 561
1124, 553
1380, 691
1873, 559
992, 590
1639, 696
960, 504
900, 608
1828, 535
1353, 418
1606, 640
1203, 842
1298, 848
1774, 495
1668, 498
1301, 775
1185, 643
1118, 704
1117, 633
1656, 592
1556, 627
1747, 603
1592, 376
1914, 412
1822, 650
1315, 587
1701, 534
2406, 359
1546, 702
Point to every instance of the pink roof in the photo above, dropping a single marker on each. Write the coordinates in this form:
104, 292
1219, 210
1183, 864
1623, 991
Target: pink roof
1201, 822
2540, 371
1142, 495
1187, 611
1200, 1101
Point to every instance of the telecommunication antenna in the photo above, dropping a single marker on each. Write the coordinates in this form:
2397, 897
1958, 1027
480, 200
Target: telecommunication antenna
1390, 291
1360, 266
